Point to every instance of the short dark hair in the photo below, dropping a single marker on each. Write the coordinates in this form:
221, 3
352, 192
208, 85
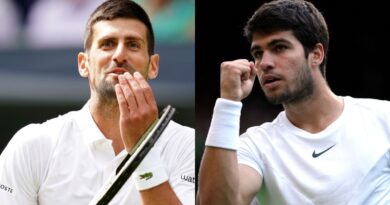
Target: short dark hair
113, 9
302, 17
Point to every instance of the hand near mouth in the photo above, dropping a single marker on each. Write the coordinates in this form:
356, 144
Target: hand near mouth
137, 106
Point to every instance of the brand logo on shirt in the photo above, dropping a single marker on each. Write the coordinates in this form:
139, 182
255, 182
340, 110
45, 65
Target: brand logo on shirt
7, 189
188, 178
146, 175
315, 155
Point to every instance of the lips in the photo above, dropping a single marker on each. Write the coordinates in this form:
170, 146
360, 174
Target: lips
118, 71
270, 81
266, 79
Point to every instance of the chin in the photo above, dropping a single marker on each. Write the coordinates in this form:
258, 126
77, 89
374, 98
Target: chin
275, 99
111, 79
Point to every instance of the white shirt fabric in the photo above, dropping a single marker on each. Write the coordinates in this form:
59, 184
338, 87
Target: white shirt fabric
353, 157
66, 160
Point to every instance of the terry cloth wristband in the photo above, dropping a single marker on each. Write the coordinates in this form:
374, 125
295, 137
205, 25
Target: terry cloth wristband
150, 172
225, 125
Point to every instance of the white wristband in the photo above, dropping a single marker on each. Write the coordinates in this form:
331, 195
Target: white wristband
225, 125
150, 172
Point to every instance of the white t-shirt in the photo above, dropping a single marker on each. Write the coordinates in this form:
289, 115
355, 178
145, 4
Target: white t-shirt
335, 166
66, 160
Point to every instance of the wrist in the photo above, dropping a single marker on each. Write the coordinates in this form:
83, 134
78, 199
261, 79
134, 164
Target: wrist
229, 96
225, 125
151, 172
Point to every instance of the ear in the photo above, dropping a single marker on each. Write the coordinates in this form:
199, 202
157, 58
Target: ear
82, 60
317, 55
153, 66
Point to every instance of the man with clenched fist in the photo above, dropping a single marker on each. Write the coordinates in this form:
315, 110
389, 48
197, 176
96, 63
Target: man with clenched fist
322, 149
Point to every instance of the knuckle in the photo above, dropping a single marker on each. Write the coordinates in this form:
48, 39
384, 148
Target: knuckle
243, 60
144, 89
155, 110
231, 66
135, 118
226, 65
143, 112
124, 118
137, 90
149, 91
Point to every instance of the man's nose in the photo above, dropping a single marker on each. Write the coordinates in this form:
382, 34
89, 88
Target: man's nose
120, 54
267, 61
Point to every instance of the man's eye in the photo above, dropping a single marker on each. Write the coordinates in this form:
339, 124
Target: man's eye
280, 48
133, 45
107, 44
257, 54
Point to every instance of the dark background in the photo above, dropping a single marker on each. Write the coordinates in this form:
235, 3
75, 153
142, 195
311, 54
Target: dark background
358, 56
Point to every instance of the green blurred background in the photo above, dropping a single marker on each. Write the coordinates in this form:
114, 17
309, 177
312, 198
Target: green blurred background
39, 43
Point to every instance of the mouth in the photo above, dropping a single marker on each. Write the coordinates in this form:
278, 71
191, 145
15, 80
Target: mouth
270, 81
118, 71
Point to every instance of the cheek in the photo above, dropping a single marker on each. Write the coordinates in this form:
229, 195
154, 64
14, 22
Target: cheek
140, 62
102, 61
293, 64
289, 69
98, 65
98, 70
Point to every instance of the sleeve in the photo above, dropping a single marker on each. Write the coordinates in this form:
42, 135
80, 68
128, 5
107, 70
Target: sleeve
180, 160
20, 169
249, 155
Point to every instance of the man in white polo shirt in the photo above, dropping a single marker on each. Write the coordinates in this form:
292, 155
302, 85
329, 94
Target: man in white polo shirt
66, 160
322, 149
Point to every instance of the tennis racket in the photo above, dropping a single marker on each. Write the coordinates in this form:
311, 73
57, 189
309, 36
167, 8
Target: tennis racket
134, 158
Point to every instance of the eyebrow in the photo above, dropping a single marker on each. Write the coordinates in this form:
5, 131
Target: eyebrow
113, 37
270, 44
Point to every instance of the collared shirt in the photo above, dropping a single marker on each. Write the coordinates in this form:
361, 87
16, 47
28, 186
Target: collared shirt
66, 160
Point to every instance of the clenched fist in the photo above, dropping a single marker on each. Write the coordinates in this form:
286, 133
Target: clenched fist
237, 78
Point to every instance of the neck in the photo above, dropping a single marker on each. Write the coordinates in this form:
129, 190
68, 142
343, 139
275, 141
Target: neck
316, 112
105, 113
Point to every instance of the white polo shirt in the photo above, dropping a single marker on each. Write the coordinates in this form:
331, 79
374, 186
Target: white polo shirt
66, 160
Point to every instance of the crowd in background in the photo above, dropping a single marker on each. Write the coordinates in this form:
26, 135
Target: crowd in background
41, 24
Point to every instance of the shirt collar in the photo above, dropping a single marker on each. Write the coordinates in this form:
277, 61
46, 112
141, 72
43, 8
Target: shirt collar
90, 132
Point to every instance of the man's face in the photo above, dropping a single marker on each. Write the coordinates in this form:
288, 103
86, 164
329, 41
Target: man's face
282, 67
118, 46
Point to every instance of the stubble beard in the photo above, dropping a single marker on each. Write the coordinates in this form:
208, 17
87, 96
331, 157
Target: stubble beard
106, 92
106, 88
302, 89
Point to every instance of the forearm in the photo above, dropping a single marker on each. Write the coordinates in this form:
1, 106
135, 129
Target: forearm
219, 174
219, 177
219, 181
162, 194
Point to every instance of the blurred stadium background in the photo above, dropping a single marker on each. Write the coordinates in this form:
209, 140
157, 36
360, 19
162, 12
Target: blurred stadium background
39, 43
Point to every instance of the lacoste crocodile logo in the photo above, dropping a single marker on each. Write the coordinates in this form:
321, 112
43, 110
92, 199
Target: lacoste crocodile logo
146, 175
315, 155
